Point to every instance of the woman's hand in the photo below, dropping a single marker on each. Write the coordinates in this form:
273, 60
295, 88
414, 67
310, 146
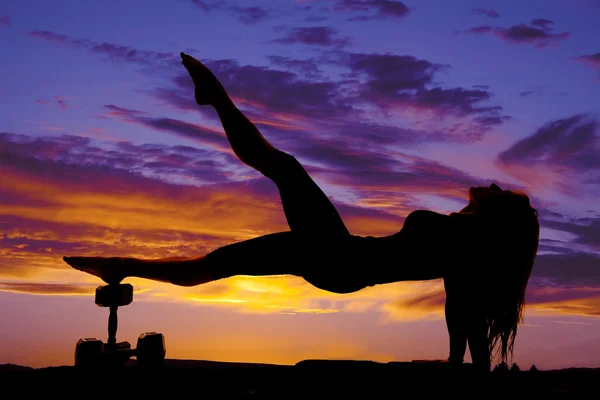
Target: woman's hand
209, 90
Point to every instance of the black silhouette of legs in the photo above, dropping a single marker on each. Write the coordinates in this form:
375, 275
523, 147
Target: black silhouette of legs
307, 208
315, 227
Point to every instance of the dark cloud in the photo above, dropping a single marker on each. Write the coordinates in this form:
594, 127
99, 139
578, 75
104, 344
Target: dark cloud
479, 29
536, 90
394, 80
381, 80
312, 36
538, 33
5, 21
54, 154
112, 51
197, 133
315, 18
543, 23
250, 15
586, 230
246, 15
592, 60
275, 90
61, 102
207, 5
305, 67
372, 9
583, 301
385, 81
527, 93
563, 283
368, 172
349, 162
568, 144
486, 12
574, 269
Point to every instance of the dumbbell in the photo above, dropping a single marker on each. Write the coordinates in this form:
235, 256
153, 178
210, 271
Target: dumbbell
92, 352
150, 352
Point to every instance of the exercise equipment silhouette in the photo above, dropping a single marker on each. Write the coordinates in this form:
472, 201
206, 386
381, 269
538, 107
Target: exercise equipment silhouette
92, 352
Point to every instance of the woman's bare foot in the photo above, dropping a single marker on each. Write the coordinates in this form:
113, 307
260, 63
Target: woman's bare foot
208, 89
111, 270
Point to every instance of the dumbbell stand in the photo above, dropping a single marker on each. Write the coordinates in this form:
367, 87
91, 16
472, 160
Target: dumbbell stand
113, 322
150, 349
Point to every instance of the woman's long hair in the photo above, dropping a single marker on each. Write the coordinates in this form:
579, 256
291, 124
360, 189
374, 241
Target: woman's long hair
510, 240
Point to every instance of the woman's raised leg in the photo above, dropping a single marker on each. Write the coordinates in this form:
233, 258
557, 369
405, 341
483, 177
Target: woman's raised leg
307, 209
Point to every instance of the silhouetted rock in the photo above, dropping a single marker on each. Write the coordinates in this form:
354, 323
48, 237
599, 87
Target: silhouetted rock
13, 367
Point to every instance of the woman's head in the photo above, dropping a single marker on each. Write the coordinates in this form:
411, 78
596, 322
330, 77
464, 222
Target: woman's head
510, 235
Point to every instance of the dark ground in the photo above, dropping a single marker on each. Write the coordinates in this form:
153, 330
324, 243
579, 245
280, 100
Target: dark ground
310, 378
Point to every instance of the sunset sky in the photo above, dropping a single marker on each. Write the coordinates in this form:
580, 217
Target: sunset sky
391, 106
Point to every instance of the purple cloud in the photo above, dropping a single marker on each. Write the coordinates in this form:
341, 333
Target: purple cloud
568, 270
586, 230
382, 80
543, 23
48, 154
571, 142
393, 80
305, 67
527, 93
246, 15
479, 29
5, 21
302, 94
353, 164
570, 147
196, 133
592, 60
313, 36
275, 90
538, 33
206, 5
373, 9
112, 51
61, 102
537, 90
486, 12
250, 15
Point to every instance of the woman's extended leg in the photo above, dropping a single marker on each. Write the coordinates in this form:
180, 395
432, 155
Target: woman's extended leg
307, 208
284, 253
273, 254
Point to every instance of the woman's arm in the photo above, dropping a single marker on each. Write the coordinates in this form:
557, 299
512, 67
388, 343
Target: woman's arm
456, 330
466, 325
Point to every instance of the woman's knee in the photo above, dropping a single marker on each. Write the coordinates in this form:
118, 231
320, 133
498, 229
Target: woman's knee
279, 164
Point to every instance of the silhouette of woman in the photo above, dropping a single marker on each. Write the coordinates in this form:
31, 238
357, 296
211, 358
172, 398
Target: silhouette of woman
484, 253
